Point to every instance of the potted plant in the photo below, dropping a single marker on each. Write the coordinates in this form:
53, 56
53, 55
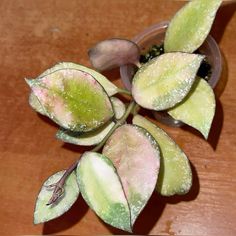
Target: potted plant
135, 159
151, 44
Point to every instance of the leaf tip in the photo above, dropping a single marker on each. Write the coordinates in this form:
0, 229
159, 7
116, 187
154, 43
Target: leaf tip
205, 133
36, 219
29, 82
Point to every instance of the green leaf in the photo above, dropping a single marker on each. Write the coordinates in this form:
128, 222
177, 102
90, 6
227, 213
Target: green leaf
73, 99
118, 107
45, 213
101, 188
85, 139
35, 104
175, 176
109, 87
198, 108
166, 80
135, 155
190, 26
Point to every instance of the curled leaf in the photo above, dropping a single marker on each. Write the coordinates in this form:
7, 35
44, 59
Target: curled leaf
113, 53
198, 108
101, 189
44, 212
175, 176
85, 139
135, 155
73, 99
190, 26
118, 107
166, 80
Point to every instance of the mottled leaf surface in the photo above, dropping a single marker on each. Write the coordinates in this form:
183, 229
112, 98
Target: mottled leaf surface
166, 80
45, 213
198, 108
135, 155
73, 99
35, 104
113, 53
109, 87
118, 107
85, 139
190, 26
175, 176
102, 190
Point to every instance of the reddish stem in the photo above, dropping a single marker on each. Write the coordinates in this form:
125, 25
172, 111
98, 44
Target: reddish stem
58, 187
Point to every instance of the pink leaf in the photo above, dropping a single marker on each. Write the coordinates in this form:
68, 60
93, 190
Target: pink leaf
136, 156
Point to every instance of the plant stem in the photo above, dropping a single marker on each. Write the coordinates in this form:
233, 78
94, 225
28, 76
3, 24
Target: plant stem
58, 187
138, 64
136, 109
118, 123
124, 91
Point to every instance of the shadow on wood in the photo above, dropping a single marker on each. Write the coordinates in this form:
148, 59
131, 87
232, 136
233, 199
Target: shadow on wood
216, 126
112, 75
224, 15
155, 207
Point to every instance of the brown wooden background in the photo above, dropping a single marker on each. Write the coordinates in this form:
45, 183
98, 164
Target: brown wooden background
34, 35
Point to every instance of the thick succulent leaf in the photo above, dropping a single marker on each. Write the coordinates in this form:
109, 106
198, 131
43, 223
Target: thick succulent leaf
166, 80
175, 176
43, 212
198, 108
35, 104
190, 26
85, 139
113, 53
73, 99
136, 156
118, 107
109, 87
102, 190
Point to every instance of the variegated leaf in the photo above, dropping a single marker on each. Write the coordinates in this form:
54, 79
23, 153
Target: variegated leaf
190, 26
101, 188
166, 80
44, 212
135, 155
73, 99
198, 108
175, 176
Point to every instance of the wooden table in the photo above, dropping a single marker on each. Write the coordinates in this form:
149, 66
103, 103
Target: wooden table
37, 34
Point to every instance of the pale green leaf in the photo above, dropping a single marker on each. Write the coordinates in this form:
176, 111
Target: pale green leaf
190, 26
85, 139
101, 188
166, 80
44, 212
198, 108
118, 107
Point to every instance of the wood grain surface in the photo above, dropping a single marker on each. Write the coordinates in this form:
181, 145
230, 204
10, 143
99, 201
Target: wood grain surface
36, 34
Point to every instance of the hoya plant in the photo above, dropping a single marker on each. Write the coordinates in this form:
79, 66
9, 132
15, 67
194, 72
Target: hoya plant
128, 161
